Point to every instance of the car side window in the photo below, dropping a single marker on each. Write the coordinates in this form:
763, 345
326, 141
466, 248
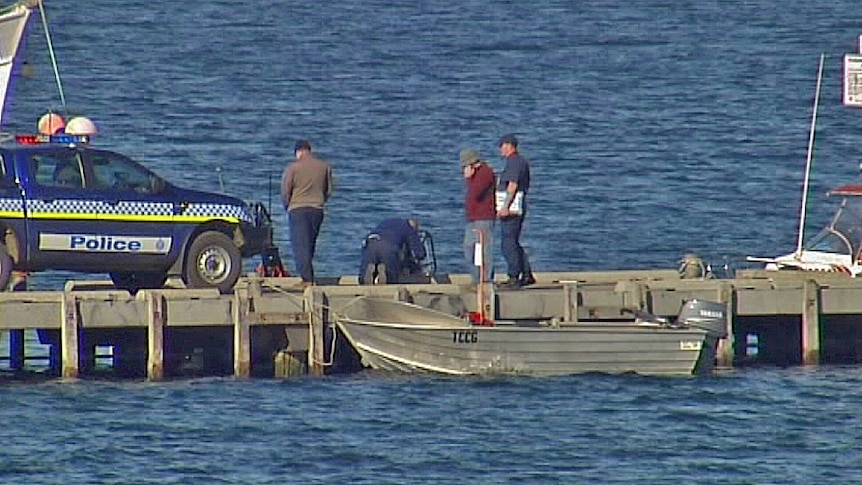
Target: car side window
62, 170
113, 171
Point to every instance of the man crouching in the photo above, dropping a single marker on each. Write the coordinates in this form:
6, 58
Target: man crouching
382, 250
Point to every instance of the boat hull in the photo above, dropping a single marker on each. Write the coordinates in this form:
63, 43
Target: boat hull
455, 347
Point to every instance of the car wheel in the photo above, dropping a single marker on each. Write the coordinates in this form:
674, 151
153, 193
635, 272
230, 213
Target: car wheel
212, 262
5, 267
137, 281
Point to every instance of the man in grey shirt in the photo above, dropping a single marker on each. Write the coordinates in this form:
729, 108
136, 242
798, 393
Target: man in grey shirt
306, 186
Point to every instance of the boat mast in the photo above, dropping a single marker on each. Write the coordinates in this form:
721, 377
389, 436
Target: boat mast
51, 52
808, 160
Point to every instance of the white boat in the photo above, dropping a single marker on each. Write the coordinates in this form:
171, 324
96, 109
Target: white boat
837, 248
401, 337
13, 23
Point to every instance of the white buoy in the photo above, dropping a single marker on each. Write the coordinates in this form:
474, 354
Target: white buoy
80, 125
51, 124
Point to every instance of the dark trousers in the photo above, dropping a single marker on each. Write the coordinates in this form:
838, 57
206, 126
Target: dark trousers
510, 244
378, 251
304, 226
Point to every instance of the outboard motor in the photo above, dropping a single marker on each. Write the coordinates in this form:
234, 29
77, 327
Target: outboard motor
705, 315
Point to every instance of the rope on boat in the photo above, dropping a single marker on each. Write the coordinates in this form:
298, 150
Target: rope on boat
51, 52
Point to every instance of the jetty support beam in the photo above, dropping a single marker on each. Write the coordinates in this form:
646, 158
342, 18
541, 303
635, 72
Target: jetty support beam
314, 305
241, 334
811, 323
69, 336
570, 301
156, 320
727, 295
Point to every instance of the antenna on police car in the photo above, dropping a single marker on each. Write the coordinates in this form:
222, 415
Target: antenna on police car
220, 178
269, 194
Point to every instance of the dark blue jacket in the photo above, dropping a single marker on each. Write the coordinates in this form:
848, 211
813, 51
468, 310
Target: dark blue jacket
399, 233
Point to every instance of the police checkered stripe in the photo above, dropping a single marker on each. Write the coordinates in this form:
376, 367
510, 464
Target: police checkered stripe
67, 206
140, 208
219, 210
11, 205
73, 206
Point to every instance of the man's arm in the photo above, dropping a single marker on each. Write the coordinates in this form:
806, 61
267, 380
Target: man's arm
287, 185
329, 186
511, 190
483, 185
415, 243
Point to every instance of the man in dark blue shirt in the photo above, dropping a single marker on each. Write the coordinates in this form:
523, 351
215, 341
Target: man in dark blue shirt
384, 248
511, 209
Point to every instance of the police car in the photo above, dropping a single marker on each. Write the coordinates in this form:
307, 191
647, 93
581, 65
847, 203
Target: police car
67, 205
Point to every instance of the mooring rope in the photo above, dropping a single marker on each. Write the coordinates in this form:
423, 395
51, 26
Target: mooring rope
321, 306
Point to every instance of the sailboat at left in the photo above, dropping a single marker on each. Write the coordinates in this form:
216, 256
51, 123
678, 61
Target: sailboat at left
13, 24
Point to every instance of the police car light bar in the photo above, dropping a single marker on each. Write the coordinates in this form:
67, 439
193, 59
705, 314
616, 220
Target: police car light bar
63, 139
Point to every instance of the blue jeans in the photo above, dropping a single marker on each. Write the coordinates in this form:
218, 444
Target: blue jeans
516, 259
376, 251
470, 240
304, 227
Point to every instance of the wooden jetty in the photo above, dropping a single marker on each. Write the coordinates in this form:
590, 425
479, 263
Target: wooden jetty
276, 327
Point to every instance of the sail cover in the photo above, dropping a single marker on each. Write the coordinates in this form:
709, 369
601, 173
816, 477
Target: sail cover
12, 25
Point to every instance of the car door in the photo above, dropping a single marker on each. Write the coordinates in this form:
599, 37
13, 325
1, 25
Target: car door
137, 216
60, 211
11, 203
11, 206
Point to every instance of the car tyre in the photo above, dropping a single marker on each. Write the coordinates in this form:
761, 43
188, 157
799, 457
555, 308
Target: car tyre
5, 267
137, 281
213, 261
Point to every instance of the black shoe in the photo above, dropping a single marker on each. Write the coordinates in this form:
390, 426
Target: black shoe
528, 280
510, 284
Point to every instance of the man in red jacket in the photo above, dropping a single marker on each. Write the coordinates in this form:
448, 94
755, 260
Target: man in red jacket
480, 212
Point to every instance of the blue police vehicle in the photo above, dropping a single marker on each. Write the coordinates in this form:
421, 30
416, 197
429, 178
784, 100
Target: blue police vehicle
67, 205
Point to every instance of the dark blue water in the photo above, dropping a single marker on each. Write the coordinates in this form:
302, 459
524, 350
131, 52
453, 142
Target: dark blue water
654, 129
764, 426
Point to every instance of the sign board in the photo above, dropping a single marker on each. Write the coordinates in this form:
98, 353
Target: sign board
853, 80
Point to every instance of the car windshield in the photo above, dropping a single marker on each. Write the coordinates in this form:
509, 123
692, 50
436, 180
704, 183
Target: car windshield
828, 241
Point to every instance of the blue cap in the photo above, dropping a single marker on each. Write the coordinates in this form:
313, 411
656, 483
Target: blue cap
508, 138
302, 145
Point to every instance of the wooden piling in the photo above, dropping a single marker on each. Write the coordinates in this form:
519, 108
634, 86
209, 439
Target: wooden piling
811, 323
726, 345
156, 319
69, 336
313, 303
570, 301
241, 334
